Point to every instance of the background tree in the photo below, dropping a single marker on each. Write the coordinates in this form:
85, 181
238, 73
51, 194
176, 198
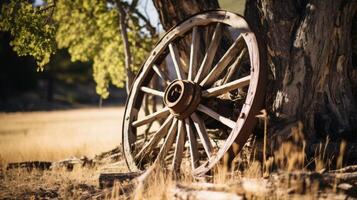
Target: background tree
103, 32
308, 45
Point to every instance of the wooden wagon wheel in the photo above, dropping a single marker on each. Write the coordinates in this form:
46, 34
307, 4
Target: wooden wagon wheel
192, 122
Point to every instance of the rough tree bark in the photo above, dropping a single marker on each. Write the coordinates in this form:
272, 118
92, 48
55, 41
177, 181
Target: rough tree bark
171, 12
309, 55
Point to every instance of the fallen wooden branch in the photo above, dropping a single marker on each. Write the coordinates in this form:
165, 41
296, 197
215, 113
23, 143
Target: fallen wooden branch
111, 156
40, 165
70, 163
46, 165
2, 176
345, 177
187, 194
205, 186
258, 187
105, 157
112, 167
351, 168
308, 180
108, 179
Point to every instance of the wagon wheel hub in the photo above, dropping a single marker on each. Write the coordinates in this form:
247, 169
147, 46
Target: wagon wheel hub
182, 97
212, 56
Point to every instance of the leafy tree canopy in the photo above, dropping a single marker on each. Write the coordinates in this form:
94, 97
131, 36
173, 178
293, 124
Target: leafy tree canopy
89, 29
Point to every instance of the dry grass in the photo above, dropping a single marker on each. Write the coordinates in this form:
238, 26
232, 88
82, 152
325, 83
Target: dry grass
54, 136
22, 184
58, 135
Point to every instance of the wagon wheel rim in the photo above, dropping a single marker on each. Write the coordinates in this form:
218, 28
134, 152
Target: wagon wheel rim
183, 97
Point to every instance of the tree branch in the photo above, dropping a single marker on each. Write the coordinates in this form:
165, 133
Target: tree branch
124, 34
133, 5
134, 10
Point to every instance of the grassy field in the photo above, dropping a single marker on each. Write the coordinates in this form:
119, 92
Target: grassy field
52, 136
59, 134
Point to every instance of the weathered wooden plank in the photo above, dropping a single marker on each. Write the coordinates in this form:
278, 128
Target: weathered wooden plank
160, 133
152, 91
40, 165
216, 91
222, 63
161, 74
176, 60
169, 140
186, 194
210, 54
201, 130
107, 179
152, 117
234, 67
180, 144
194, 54
193, 144
230, 123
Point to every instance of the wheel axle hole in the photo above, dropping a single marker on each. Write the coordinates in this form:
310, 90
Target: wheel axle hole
174, 93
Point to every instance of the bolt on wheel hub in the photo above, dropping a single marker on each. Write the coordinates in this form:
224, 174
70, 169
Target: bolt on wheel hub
182, 97
180, 112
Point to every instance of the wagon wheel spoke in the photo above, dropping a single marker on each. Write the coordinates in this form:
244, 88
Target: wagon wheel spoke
180, 144
233, 68
193, 144
222, 63
176, 60
194, 53
211, 51
216, 91
230, 123
152, 117
201, 130
169, 140
208, 66
152, 91
160, 133
161, 74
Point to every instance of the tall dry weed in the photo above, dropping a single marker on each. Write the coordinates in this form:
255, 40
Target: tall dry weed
290, 156
321, 160
341, 154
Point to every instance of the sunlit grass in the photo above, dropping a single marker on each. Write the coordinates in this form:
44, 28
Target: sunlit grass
54, 138
58, 135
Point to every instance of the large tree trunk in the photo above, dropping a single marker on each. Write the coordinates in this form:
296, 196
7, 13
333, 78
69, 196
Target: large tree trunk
309, 55
310, 59
171, 12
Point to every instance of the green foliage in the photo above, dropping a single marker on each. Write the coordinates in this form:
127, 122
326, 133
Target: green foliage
89, 29
32, 33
